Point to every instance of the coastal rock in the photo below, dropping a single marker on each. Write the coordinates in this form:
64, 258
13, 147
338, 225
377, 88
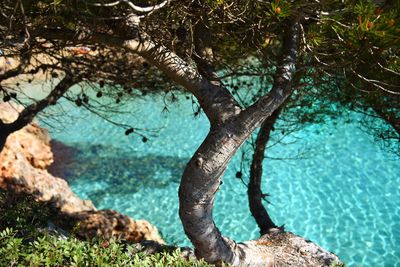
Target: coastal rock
35, 150
23, 162
284, 248
23, 169
109, 223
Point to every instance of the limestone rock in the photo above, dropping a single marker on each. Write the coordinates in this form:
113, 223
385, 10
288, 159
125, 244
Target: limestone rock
23, 169
284, 249
23, 162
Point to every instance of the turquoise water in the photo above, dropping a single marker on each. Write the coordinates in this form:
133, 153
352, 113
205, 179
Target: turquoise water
343, 192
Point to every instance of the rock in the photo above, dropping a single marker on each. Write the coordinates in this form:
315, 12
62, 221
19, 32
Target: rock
280, 248
109, 223
23, 163
33, 140
23, 169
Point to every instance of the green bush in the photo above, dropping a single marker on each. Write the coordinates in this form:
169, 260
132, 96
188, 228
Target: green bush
53, 250
22, 212
25, 241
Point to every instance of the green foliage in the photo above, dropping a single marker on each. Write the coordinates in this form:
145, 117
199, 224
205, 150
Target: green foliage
9, 247
215, 3
336, 264
280, 9
24, 241
26, 214
53, 250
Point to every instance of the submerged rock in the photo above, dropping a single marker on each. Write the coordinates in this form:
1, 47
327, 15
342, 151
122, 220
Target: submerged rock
23, 169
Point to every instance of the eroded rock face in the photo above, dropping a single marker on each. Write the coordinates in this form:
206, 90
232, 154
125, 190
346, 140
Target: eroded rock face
35, 150
23, 162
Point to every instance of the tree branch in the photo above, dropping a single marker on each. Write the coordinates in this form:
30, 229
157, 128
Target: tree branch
133, 6
27, 114
254, 192
216, 101
282, 86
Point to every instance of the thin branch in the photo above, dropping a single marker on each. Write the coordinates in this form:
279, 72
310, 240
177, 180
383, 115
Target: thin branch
133, 6
282, 87
389, 70
28, 113
375, 83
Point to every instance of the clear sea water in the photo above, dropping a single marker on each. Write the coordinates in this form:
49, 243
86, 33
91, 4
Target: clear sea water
343, 193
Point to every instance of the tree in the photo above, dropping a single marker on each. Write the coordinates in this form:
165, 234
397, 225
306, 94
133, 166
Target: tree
96, 70
189, 43
358, 91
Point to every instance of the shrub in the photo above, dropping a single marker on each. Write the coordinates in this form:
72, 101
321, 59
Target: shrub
22, 212
49, 249
25, 241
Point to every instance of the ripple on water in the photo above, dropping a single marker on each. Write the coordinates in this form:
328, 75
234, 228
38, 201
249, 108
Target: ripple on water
344, 195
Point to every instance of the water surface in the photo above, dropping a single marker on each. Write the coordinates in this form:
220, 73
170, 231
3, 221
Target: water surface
343, 193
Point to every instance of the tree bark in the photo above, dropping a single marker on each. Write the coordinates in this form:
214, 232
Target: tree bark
254, 192
203, 174
4, 133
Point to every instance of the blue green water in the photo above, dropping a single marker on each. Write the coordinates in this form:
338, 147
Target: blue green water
343, 192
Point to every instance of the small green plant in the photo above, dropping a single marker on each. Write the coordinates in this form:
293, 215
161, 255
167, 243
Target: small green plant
9, 247
22, 212
24, 241
337, 264
52, 250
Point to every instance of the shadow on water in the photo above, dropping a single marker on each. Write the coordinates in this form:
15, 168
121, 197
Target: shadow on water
119, 172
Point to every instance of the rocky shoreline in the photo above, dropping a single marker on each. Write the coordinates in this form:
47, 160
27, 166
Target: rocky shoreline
23, 169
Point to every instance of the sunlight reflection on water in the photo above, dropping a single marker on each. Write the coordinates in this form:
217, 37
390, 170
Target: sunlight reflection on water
344, 195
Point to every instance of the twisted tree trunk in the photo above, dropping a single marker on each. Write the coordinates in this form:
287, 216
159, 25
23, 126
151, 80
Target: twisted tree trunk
4, 133
254, 192
203, 174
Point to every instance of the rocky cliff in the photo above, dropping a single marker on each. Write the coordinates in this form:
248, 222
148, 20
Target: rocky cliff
23, 168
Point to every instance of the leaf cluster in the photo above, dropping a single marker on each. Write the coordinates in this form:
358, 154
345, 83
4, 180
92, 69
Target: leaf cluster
354, 43
22, 212
25, 241
49, 249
